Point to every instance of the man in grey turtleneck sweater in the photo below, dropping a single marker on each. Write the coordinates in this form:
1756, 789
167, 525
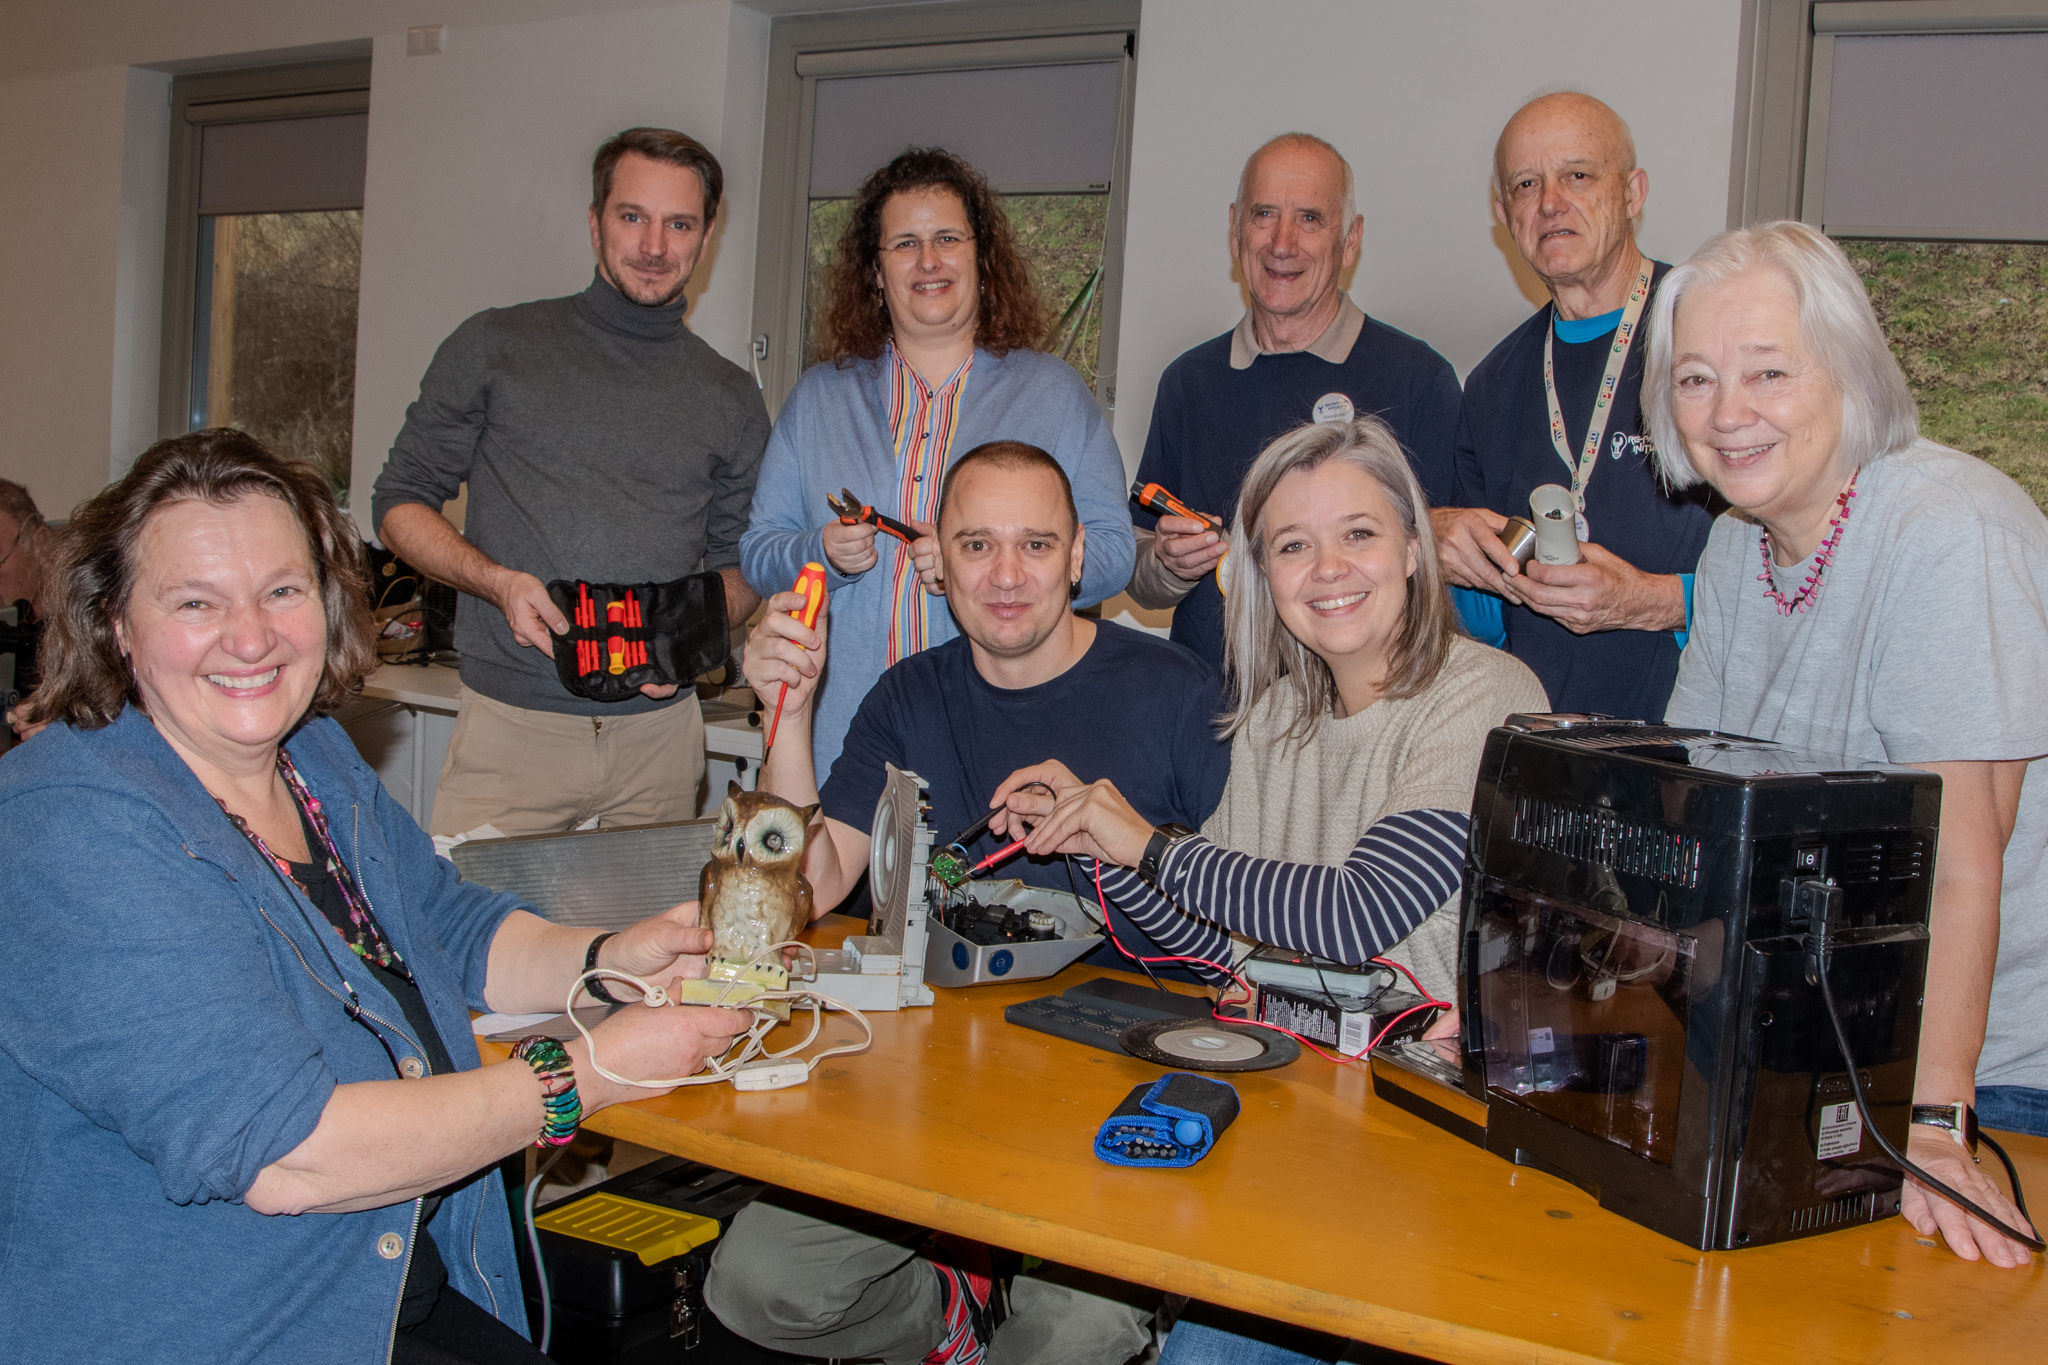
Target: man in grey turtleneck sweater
601, 440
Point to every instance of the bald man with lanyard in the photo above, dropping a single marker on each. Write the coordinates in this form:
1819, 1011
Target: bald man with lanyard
1555, 403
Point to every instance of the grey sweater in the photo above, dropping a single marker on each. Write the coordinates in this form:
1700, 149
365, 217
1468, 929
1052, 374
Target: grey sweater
601, 440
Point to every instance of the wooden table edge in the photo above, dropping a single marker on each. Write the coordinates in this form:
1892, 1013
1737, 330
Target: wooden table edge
1350, 1318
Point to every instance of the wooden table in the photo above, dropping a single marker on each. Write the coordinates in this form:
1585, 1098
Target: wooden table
1323, 1206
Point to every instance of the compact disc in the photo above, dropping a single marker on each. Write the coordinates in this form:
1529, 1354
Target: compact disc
1208, 1045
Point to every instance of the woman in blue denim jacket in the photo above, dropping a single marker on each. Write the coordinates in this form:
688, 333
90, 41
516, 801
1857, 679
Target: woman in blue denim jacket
245, 1115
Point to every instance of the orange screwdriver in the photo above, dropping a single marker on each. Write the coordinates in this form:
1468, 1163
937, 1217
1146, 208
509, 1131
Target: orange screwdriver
1155, 499
811, 583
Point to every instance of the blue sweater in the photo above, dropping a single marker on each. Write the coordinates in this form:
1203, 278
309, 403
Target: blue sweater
1209, 423
833, 432
1504, 452
171, 1022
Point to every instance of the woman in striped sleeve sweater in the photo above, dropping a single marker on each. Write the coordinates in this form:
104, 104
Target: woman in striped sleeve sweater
1361, 712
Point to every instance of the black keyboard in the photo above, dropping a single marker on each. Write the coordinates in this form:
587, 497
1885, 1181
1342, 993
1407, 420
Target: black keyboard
1095, 1013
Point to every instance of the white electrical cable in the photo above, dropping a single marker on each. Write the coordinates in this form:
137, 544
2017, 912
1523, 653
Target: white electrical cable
749, 1044
540, 1265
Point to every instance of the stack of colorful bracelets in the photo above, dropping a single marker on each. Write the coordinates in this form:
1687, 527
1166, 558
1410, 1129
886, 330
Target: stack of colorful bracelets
562, 1107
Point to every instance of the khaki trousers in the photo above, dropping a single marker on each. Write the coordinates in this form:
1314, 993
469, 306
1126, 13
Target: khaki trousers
815, 1279
540, 772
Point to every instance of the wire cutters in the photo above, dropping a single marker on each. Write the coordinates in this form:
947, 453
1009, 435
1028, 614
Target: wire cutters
852, 512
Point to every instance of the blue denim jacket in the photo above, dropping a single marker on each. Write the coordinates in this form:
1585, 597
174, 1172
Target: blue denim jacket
172, 1021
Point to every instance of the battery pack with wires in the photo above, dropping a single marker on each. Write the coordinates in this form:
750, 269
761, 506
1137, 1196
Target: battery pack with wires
1348, 1024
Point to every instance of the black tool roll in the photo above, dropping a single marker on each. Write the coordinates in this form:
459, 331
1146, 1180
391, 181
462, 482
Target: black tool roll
659, 633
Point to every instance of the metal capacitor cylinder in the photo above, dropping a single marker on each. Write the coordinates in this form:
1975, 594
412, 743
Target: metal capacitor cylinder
1520, 538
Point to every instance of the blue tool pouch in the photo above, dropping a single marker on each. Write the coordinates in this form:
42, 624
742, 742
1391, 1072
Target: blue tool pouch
1172, 1121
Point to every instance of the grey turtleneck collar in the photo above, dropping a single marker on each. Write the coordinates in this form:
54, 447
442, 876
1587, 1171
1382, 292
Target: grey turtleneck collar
606, 307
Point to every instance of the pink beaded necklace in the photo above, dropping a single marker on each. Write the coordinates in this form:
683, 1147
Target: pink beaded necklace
1822, 557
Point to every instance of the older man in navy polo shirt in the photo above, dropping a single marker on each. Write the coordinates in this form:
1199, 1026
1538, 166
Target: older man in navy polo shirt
1302, 352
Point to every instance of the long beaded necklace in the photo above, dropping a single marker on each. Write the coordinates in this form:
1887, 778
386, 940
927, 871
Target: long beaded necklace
1822, 557
367, 939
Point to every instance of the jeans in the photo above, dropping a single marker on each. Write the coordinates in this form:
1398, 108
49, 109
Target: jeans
2013, 1108
1206, 1334
1197, 1343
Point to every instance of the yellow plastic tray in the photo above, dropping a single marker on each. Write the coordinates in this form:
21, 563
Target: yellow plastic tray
649, 1231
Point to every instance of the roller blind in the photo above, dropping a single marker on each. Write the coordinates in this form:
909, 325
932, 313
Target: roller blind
283, 165
1024, 127
1938, 135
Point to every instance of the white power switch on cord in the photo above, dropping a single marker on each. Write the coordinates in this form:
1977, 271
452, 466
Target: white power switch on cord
770, 1075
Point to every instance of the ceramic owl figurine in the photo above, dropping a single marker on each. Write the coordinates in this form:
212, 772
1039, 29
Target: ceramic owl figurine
753, 891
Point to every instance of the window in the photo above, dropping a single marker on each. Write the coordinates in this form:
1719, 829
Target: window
1911, 132
1045, 115
264, 249
1969, 323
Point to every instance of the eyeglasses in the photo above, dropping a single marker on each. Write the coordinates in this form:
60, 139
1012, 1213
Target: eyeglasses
947, 244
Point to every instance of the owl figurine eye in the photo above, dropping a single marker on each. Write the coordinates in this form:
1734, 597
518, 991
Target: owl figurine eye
774, 835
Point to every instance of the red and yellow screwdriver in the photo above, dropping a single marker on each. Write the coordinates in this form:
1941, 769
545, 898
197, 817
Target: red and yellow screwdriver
811, 583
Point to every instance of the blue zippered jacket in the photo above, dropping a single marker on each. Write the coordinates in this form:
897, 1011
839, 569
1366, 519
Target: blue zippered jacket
172, 1021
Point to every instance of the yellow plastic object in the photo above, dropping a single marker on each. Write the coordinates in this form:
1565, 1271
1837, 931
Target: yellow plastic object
766, 975
649, 1231
706, 991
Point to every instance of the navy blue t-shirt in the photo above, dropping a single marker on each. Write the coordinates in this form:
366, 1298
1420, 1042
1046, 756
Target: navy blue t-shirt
1135, 709
1209, 422
1504, 452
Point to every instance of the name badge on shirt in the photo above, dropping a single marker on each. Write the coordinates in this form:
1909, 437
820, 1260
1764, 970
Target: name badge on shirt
1333, 407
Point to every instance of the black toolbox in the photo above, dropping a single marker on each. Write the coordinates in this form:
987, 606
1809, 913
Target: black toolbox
626, 1262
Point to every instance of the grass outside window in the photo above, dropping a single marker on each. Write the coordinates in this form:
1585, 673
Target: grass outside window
1969, 324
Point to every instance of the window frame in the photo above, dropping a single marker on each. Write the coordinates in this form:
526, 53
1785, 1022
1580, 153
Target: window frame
1784, 82
806, 49
261, 94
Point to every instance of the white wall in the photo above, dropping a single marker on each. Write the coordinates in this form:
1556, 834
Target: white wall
1414, 96
61, 139
478, 179
139, 266
478, 156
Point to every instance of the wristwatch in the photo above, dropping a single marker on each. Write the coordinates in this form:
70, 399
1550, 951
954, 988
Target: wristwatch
1163, 838
1959, 1119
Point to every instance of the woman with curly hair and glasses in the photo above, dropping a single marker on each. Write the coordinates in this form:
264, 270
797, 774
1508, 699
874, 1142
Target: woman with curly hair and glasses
929, 324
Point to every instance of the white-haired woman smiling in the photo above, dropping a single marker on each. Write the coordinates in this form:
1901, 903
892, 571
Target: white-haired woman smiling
1879, 596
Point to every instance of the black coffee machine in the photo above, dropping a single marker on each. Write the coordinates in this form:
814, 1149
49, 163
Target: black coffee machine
1641, 906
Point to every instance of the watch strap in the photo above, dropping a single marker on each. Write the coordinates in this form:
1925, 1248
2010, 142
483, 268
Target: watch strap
1959, 1120
595, 986
1163, 838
